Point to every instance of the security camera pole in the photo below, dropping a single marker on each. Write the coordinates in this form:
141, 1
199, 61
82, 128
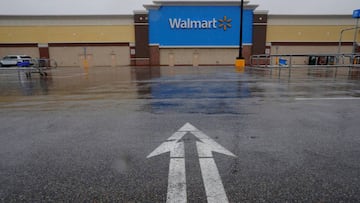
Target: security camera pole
240, 61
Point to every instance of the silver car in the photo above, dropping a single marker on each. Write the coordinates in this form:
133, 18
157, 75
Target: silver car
16, 60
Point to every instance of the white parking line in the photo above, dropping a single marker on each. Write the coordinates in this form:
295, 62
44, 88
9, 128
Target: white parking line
326, 98
177, 181
71, 76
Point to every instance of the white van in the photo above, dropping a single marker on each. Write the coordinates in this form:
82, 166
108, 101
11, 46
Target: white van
14, 60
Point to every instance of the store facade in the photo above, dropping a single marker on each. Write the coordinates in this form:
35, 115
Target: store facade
100, 40
174, 33
197, 33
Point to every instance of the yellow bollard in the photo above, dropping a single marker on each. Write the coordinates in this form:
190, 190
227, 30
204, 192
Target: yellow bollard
240, 65
86, 64
86, 68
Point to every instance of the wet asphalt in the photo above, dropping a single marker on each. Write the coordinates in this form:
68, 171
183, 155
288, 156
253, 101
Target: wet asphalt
83, 135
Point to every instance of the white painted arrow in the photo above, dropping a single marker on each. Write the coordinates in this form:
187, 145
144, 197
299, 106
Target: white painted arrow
214, 188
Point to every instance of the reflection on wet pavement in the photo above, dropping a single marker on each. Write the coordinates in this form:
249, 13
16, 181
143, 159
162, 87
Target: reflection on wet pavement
83, 135
209, 90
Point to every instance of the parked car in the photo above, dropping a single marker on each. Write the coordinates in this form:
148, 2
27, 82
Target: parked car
16, 60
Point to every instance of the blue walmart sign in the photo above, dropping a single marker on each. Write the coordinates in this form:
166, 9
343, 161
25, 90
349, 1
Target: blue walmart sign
198, 26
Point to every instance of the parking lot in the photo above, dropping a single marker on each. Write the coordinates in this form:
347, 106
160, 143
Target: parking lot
201, 134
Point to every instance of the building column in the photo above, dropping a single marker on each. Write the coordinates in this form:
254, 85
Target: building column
142, 54
154, 55
44, 51
259, 32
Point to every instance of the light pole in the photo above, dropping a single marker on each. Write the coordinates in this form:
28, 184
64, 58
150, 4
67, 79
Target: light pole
240, 61
241, 30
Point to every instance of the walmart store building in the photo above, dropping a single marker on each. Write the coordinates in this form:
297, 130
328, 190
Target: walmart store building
172, 33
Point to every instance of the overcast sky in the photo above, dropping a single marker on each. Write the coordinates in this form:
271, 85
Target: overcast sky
109, 7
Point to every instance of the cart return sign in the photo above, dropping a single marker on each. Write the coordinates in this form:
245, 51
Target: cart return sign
356, 13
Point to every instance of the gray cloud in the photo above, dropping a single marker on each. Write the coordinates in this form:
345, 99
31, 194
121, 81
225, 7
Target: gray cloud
110, 7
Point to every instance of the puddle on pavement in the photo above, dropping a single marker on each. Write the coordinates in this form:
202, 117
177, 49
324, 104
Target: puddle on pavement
209, 90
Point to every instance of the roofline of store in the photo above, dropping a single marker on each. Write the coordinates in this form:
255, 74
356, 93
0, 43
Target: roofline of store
71, 15
146, 12
309, 15
158, 4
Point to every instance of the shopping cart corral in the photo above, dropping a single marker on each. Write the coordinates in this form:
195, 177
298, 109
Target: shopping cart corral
40, 66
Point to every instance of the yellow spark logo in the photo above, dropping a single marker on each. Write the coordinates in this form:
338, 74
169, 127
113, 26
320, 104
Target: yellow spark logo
225, 23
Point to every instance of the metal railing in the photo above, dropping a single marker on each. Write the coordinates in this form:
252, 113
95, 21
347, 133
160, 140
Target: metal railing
45, 63
37, 66
303, 60
309, 61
